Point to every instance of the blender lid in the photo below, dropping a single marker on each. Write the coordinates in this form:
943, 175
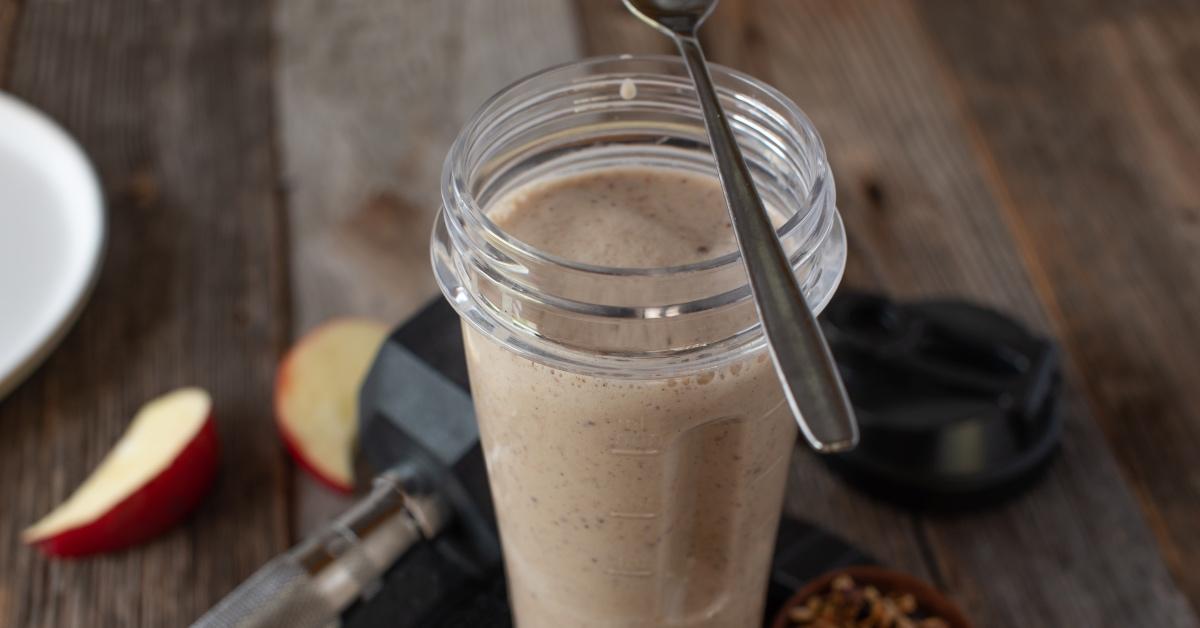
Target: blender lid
957, 404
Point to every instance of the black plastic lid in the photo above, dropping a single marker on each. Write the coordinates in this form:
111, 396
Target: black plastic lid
957, 404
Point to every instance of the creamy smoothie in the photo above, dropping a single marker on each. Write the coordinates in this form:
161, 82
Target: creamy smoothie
630, 502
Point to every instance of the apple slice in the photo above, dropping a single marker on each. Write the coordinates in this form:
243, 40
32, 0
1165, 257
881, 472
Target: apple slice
316, 396
157, 473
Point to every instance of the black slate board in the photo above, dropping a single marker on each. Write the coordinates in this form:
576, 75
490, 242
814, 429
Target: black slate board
428, 591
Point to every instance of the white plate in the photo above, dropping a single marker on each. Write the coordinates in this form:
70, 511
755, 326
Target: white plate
51, 237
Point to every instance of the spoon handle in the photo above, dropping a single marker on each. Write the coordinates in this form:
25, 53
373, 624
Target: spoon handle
812, 386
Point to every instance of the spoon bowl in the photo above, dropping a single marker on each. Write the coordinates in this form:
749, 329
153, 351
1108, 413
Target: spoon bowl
679, 17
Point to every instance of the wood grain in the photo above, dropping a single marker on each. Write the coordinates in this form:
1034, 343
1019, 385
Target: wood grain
607, 28
362, 150
9, 10
930, 217
170, 101
1094, 139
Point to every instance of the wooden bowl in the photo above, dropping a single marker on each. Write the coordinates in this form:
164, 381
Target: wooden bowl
928, 598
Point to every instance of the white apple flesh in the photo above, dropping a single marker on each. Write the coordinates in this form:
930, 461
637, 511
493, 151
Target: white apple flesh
316, 396
158, 472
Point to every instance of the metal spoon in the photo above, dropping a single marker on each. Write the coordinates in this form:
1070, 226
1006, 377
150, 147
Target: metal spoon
802, 360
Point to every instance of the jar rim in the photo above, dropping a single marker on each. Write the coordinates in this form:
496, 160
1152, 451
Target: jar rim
456, 191
469, 247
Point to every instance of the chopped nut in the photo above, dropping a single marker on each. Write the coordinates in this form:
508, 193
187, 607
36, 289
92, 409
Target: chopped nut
842, 583
847, 605
802, 614
887, 612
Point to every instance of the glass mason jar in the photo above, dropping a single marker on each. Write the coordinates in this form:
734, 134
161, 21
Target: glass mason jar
636, 438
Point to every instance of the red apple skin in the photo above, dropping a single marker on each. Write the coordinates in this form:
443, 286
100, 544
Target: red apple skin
283, 381
290, 442
152, 509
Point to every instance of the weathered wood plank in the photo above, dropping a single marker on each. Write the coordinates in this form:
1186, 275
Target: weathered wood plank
370, 95
931, 215
171, 101
9, 10
1094, 138
607, 28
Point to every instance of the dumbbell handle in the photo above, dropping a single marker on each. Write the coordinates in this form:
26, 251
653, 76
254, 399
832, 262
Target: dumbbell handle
311, 584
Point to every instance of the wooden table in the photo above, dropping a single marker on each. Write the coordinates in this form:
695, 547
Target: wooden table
269, 165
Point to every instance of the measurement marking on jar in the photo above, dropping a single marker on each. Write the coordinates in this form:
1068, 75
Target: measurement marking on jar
616, 451
629, 573
633, 515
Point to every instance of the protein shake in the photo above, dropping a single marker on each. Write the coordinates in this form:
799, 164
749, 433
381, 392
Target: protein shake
630, 502
634, 430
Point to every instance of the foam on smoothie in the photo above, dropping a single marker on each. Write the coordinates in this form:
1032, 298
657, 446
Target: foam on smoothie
621, 217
